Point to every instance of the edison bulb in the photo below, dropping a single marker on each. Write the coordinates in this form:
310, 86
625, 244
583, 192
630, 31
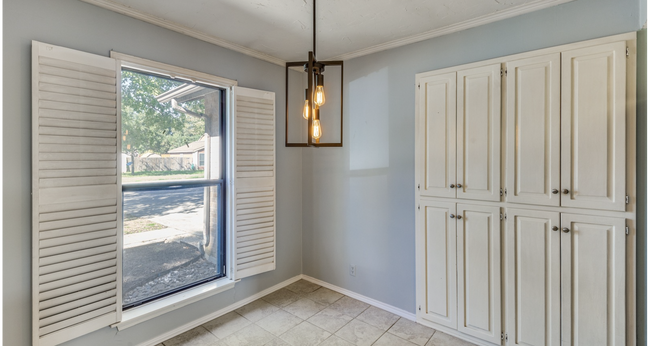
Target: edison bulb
319, 97
305, 112
316, 131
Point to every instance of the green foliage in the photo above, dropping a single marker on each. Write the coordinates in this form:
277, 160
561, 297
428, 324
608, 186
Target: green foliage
152, 126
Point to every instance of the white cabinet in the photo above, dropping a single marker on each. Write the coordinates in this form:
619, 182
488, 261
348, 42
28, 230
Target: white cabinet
532, 261
437, 132
459, 134
593, 280
533, 130
438, 242
478, 123
479, 271
593, 127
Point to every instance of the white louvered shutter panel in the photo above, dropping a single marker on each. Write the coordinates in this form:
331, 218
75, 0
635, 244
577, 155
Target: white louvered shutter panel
76, 201
254, 182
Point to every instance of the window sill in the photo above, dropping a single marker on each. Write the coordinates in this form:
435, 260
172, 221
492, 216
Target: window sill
156, 308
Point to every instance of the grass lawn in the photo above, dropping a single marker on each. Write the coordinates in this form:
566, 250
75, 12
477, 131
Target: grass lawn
135, 225
160, 175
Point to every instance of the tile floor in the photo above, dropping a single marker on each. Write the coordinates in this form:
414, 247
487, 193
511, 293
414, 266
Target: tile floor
305, 314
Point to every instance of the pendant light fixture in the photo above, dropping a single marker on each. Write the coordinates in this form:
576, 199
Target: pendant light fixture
314, 98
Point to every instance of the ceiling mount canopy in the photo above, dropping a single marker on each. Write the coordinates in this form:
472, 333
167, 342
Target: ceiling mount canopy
313, 105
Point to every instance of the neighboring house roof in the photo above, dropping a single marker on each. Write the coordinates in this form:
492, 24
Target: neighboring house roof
189, 148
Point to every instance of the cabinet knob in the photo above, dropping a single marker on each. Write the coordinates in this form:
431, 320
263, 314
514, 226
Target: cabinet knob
459, 186
555, 228
459, 217
452, 216
565, 191
565, 230
452, 186
555, 191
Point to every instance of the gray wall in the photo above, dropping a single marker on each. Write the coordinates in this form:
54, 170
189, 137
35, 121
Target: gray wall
358, 201
77, 25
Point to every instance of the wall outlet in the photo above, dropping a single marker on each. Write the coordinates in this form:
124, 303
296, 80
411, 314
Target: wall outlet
353, 270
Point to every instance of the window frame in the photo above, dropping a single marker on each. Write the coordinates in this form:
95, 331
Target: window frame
175, 300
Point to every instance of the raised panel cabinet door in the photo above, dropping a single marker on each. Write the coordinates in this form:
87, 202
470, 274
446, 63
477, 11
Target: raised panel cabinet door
437, 129
532, 292
478, 120
593, 280
593, 127
479, 271
438, 227
533, 130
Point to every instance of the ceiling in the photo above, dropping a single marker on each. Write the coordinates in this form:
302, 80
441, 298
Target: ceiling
281, 30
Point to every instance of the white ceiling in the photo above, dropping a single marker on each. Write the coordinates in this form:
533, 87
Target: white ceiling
281, 30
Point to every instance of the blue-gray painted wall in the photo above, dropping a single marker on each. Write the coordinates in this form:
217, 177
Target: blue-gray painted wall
78, 25
359, 201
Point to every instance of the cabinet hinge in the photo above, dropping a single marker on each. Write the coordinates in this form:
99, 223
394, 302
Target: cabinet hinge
506, 72
627, 199
418, 207
506, 337
501, 72
418, 187
418, 86
501, 192
501, 216
627, 51
503, 336
505, 216
505, 192
419, 307
627, 230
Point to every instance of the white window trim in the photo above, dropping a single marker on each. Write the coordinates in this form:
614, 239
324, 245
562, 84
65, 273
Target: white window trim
177, 300
172, 302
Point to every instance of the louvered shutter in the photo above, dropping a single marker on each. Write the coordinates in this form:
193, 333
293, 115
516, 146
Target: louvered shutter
254, 182
76, 200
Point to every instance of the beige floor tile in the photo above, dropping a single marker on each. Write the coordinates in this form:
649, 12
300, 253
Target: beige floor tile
359, 333
227, 324
379, 318
411, 331
304, 308
302, 287
324, 296
252, 335
330, 320
279, 322
349, 306
389, 339
305, 334
277, 342
441, 339
257, 310
281, 297
335, 341
198, 336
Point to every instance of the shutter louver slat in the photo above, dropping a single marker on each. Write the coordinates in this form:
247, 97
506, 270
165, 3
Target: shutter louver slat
254, 171
77, 203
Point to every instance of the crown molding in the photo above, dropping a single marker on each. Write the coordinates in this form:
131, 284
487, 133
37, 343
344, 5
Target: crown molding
471, 23
485, 19
128, 11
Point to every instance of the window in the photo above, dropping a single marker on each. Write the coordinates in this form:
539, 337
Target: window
173, 204
89, 189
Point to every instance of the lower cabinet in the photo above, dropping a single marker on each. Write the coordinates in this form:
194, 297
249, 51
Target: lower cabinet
563, 275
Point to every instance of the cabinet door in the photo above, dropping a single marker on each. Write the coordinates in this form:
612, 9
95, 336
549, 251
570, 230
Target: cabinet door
533, 277
437, 297
593, 280
437, 129
478, 120
533, 130
593, 127
479, 272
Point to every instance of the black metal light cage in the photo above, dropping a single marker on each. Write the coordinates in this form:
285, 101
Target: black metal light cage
313, 68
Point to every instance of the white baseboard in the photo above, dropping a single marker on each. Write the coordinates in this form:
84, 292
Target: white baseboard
187, 326
367, 300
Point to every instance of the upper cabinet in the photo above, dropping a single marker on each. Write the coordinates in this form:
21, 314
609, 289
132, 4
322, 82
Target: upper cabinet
459, 134
437, 130
593, 127
533, 130
478, 123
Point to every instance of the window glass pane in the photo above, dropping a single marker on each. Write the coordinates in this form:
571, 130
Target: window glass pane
173, 230
163, 230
